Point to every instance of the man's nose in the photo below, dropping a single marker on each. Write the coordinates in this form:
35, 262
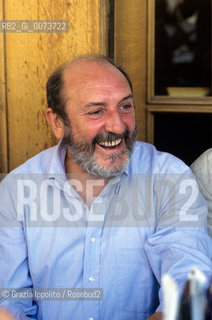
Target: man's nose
115, 123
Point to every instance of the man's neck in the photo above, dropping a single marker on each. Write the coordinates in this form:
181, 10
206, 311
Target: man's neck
88, 186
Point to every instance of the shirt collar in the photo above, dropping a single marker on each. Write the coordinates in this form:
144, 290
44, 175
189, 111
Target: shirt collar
57, 166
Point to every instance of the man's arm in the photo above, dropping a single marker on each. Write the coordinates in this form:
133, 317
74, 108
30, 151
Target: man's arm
180, 240
14, 268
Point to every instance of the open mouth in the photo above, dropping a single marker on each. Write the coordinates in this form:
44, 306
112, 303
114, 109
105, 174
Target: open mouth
113, 144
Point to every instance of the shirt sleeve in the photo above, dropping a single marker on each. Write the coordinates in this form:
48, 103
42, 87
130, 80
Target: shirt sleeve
14, 269
180, 240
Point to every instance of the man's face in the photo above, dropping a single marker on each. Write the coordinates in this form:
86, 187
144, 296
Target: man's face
100, 108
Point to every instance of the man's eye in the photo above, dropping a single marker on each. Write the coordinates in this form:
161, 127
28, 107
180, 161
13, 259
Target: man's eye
126, 107
95, 113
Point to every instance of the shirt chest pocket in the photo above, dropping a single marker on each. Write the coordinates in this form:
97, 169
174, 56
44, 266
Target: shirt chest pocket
136, 284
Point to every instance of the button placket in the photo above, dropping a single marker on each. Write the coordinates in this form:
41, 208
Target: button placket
92, 257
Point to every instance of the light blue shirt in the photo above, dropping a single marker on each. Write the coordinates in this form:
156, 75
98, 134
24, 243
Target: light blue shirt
148, 221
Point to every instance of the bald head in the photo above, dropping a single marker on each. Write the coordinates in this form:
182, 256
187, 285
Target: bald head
74, 71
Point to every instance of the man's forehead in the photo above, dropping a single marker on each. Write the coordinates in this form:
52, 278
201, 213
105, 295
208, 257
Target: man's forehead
85, 70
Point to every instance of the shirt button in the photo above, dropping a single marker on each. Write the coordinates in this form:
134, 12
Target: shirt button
91, 279
93, 239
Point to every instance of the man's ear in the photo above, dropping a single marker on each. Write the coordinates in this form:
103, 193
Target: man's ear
55, 122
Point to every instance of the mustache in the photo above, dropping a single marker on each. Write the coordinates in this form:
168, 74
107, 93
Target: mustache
109, 136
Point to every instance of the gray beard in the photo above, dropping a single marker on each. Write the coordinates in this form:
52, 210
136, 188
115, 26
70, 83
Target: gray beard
83, 153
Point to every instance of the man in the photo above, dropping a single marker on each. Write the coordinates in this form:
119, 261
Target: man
202, 169
99, 211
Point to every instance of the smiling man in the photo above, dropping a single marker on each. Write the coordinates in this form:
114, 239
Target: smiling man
100, 211
99, 122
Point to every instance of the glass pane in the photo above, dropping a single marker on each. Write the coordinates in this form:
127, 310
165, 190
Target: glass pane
183, 47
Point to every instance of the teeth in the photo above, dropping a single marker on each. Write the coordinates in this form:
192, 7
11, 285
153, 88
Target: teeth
110, 143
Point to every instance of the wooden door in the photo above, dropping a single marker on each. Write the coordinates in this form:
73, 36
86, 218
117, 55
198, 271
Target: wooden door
26, 61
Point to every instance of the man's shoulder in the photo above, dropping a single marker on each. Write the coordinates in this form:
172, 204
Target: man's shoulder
204, 160
40, 163
146, 158
202, 168
33, 171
